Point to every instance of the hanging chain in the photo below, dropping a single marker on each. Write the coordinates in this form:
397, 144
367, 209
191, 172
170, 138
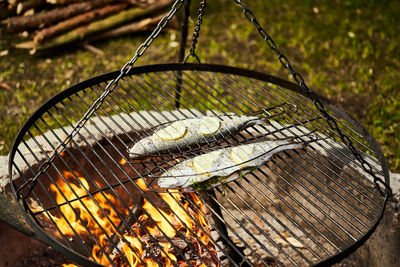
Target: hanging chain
318, 104
109, 88
196, 32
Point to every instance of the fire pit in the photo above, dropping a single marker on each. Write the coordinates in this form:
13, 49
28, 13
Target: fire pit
96, 206
79, 189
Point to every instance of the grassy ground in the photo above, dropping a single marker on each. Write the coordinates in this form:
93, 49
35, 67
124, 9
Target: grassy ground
347, 51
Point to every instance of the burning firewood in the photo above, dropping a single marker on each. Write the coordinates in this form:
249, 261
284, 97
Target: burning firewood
125, 225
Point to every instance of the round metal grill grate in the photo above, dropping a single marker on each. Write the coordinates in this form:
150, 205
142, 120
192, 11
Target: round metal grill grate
302, 207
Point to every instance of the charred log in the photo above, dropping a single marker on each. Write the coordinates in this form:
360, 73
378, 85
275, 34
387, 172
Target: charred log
125, 225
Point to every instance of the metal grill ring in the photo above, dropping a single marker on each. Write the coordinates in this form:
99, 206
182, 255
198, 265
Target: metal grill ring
303, 207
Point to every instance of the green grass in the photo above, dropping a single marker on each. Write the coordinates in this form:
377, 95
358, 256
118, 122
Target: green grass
347, 51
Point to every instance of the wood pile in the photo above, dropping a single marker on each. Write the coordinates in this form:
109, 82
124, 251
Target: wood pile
53, 23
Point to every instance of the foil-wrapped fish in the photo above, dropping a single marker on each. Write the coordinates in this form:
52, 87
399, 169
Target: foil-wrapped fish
223, 165
190, 132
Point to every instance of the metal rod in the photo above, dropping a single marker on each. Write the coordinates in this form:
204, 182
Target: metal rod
182, 48
227, 250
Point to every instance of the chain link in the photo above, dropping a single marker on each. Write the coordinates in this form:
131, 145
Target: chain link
196, 32
318, 104
109, 88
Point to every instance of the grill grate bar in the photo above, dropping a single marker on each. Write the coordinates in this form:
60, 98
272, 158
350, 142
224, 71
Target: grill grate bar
311, 104
88, 193
155, 108
226, 238
241, 87
285, 227
250, 139
324, 202
162, 105
241, 99
198, 101
316, 206
311, 192
171, 102
198, 145
241, 110
97, 90
342, 197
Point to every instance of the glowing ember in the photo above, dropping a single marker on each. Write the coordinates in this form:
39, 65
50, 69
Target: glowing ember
150, 241
122, 161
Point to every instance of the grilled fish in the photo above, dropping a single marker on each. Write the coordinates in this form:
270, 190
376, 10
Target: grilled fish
190, 132
223, 163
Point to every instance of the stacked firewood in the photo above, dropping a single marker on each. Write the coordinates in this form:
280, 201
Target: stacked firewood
52, 23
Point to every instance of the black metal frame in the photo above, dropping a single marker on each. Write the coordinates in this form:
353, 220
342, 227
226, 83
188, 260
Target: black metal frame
182, 67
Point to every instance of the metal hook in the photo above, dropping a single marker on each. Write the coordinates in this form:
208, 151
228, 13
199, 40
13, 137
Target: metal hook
193, 55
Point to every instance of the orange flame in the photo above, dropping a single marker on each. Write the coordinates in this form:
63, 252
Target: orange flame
98, 215
122, 161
